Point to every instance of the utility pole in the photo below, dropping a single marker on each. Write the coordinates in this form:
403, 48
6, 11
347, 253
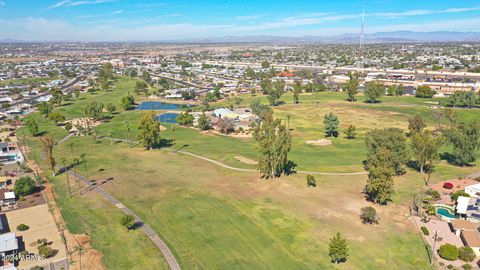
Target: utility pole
173, 129
433, 247
64, 161
362, 37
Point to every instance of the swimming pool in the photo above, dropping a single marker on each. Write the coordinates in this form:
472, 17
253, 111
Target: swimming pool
156, 105
167, 118
445, 211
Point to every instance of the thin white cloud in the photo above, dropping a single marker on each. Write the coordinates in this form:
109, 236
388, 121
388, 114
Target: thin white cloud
248, 17
89, 16
73, 3
421, 12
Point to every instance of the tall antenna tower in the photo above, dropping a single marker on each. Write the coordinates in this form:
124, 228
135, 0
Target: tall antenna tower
362, 39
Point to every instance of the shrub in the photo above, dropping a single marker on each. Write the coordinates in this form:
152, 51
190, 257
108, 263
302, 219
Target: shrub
434, 194
42, 241
369, 215
45, 251
448, 252
458, 194
22, 227
425, 231
24, 186
311, 182
128, 221
466, 254
467, 266
23, 254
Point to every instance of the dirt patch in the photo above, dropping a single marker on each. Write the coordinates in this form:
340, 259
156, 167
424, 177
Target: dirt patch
246, 160
320, 142
80, 125
162, 128
90, 258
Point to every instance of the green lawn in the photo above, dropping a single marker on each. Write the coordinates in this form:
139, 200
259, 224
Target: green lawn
217, 218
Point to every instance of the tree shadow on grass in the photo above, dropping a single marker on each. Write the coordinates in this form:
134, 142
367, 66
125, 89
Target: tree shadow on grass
164, 143
452, 161
290, 167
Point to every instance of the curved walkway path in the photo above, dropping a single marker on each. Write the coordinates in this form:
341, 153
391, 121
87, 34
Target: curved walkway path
252, 170
149, 232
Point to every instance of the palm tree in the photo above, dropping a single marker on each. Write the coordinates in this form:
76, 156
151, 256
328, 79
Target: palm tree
129, 135
64, 163
110, 134
84, 161
48, 150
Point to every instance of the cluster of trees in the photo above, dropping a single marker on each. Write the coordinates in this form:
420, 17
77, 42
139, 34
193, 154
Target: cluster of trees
395, 90
104, 75
141, 87
463, 99
387, 153
274, 91
127, 102
185, 119
424, 91
274, 143
188, 95
212, 96
149, 129
374, 91
331, 126
204, 122
94, 110
32, 127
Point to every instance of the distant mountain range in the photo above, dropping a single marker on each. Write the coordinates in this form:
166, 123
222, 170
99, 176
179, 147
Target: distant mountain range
380, 37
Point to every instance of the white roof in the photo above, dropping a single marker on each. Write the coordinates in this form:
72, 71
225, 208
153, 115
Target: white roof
475, 187
462, 204
8, 242
222, 112
8, 267
10, 195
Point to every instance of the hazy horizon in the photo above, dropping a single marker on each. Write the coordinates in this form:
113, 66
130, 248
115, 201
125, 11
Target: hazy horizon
145, 20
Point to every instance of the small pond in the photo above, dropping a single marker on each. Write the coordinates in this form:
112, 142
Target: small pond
167, 118
156, 105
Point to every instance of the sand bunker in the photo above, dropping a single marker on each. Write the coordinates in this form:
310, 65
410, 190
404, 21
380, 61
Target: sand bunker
321, 142
246, 160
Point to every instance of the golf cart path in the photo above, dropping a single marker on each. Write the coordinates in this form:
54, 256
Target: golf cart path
235, 168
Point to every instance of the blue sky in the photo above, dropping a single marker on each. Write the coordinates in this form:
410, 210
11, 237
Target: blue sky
120, 20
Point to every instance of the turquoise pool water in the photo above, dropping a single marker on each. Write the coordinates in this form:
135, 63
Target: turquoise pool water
445, 212
155, 105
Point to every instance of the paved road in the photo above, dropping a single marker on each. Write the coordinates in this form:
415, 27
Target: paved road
63, 87
172, 262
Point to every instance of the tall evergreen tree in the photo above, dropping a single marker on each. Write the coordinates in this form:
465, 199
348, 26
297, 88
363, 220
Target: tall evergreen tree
331, 123
352, 86
338, 249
